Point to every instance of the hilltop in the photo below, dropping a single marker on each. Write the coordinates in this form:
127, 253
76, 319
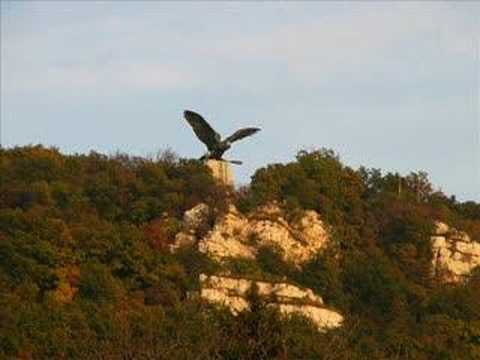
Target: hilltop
127, 257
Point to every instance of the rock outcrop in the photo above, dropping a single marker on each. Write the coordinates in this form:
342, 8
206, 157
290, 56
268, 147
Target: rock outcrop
288, 299
193, 219
237, 235
455, 254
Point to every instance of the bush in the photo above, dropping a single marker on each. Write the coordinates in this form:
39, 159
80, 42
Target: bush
97, 284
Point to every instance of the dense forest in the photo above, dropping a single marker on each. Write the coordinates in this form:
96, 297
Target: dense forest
85, 270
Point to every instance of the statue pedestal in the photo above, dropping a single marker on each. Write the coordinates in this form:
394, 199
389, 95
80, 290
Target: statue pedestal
221, 171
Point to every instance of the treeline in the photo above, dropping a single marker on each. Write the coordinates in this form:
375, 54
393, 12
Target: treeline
85, 270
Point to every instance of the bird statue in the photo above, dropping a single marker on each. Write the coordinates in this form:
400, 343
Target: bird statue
215, 145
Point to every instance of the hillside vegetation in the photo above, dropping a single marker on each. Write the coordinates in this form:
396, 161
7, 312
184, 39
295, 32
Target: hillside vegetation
85, 270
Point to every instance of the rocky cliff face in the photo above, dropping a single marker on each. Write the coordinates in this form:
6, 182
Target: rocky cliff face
239, 236
287, 298
235, 235
455, 254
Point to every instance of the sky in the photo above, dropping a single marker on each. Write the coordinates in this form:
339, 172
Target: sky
390, 85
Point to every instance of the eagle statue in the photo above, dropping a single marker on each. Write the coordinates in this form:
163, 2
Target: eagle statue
215, 145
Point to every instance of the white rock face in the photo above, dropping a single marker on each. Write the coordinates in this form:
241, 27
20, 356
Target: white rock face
324, 319
236, 235
195, 217
441, 228
298, 242
289, 299
227, 239
182, 240
192, 220
455, 255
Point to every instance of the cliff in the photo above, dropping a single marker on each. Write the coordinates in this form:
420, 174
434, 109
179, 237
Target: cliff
287, 298
241, 236
455, 254
237, 236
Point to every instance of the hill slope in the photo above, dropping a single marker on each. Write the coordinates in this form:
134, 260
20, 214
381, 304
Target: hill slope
86, 269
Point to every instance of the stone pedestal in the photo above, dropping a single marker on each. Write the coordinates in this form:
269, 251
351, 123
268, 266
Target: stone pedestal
222, 171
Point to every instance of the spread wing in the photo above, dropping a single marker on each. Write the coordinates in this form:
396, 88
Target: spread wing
202, 129
242, 133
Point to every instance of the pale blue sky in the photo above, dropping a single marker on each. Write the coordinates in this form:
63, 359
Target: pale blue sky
391, 85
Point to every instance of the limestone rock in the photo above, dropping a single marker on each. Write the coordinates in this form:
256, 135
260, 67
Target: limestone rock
192, 220
218, 247
195, 217
226, 240
298, 242
438, 241
455, 254
183, 240
236, 235
324, 318
441, 228
312, 227
289, 299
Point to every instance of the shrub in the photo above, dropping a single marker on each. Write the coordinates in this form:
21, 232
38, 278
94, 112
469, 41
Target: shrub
97, 284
